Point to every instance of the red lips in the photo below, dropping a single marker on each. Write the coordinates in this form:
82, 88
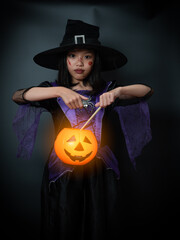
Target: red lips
79, 71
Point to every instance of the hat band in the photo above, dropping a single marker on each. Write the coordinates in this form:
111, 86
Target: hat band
80, 39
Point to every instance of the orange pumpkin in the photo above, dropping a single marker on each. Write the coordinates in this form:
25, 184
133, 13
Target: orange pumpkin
76, 146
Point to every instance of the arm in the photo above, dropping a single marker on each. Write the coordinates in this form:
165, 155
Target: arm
71, 98
136, 90
34, 94
125, 92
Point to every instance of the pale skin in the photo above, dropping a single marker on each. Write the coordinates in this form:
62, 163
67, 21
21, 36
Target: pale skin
80, 63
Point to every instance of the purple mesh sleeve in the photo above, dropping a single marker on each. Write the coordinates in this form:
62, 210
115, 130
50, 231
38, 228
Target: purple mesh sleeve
25, 125
135, 123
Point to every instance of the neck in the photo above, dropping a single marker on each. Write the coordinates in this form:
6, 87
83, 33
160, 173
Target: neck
80, 86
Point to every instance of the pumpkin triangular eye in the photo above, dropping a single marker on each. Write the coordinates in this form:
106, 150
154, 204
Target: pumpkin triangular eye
86, 140
72, 139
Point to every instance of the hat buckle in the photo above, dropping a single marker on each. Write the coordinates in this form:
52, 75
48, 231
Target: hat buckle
79, 39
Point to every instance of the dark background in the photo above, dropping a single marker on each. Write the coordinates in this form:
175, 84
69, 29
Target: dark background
147, 32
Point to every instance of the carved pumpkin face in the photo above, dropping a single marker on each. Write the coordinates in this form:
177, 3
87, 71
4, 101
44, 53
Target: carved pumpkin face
75, 146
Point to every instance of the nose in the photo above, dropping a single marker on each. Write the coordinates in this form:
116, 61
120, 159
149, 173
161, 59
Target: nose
79, 147
80, 61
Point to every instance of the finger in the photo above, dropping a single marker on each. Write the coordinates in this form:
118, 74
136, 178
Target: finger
110, 99
101, 101
107, 100
78, 101
69, 106
104, 100
71, 102
80, 104
73, 106
83, 97
97, 104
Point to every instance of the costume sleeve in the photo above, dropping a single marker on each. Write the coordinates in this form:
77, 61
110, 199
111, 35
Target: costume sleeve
48, 104
26, 121
25, 125
135, 124
134, 118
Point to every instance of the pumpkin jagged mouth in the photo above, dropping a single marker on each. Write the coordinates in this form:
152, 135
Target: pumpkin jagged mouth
76, 158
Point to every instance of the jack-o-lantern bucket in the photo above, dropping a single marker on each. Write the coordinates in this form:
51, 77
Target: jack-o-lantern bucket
75, 146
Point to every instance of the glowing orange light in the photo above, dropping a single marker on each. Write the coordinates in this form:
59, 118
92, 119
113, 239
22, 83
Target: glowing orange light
75, 146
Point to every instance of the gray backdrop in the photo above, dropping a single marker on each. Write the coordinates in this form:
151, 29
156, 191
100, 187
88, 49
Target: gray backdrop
148, 34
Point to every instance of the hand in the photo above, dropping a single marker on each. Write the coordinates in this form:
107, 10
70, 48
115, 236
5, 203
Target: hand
108, 97
72, 99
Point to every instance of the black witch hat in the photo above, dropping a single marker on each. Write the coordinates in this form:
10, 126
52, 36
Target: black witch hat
79, 35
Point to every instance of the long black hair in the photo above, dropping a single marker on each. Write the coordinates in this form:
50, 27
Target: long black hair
94, 78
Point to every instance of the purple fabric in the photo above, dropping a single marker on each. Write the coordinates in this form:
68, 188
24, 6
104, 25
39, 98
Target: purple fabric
135, 123
56, 167
25, 125
109, 159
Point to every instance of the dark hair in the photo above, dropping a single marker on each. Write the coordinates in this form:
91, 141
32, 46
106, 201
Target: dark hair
94, 78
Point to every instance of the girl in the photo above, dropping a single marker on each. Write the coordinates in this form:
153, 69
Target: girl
82, 202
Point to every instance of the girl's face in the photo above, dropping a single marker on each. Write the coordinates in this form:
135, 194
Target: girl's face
80, 63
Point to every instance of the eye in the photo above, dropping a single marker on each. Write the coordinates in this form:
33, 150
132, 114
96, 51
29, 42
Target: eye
86, 140
88, 57
71, 55
72, 139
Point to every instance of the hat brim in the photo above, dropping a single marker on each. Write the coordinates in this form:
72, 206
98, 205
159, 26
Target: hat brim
110, 58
